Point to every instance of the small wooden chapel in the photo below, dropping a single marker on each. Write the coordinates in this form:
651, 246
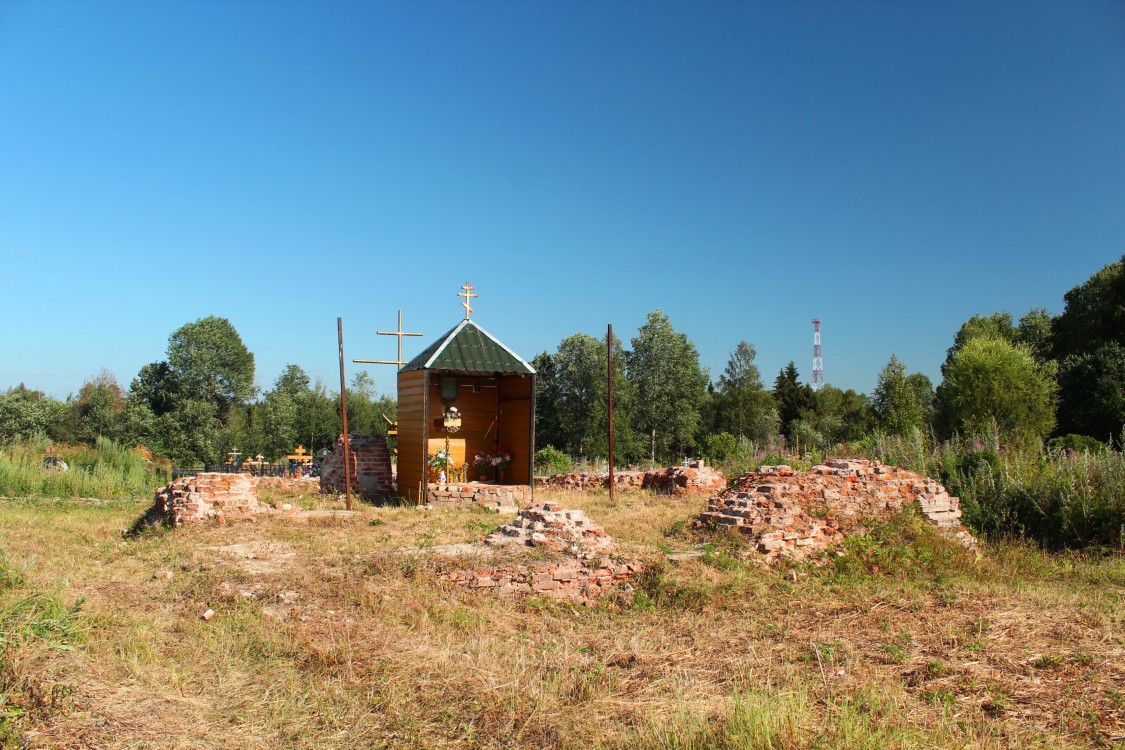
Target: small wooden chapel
470, 393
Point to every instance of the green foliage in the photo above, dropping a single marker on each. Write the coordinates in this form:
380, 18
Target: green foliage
550, 461
209, 363
790, 395
901, 402
25, 412
745, 409
1092, 392
989, 381
1094, 313
1076, 443
1058, 498
720, 447
97, 410
107, 471
669, 384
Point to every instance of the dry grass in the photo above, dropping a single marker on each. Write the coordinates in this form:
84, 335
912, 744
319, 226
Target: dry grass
325, 635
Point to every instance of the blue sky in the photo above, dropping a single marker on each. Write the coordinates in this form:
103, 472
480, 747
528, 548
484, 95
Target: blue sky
890, 167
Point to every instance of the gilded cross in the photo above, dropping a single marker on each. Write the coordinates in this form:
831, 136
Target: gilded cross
400, 333
468, 295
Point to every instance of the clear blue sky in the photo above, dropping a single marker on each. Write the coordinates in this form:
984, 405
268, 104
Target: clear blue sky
891, 167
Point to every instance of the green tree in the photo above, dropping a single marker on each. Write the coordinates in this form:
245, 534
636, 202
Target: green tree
992, 382
1094, 314
669, 384
97, 409
900, 404
745, 409
1035, 331
1092, 393
209, 363
25, 412
548, 425
790, 395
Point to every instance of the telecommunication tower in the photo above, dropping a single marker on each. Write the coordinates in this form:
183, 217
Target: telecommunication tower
817, 359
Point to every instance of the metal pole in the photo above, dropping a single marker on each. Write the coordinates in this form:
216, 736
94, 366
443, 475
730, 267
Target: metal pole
344, 416
609, 377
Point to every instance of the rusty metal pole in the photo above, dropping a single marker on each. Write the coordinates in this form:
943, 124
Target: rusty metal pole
344, 416
609, 377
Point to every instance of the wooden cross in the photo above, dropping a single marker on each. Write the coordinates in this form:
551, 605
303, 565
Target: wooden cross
400, 333
468, 295
300, 455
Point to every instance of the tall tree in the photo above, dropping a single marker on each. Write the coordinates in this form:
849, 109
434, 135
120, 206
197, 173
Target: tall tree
900, 404
790, 395
992, 382
548, 425
210, 363
669, 384
1092, 393
96, 410
746, 410
1094, 314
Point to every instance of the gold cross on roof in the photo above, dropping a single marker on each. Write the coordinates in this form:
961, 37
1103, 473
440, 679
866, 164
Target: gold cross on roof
468, 295
400, 333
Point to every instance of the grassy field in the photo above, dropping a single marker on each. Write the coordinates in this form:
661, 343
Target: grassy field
326, 634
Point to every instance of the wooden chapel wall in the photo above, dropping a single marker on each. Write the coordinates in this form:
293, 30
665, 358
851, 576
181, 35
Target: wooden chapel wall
478, 413
516, 423
411, 432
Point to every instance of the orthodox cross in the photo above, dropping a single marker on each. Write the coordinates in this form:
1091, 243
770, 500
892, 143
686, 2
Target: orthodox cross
468, 295
300, 455
400, 333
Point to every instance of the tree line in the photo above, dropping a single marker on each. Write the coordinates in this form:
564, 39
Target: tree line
1041, 377
1060, 377
199, 404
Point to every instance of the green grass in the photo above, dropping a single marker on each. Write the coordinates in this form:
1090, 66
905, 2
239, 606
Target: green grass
106, 470
1057, 497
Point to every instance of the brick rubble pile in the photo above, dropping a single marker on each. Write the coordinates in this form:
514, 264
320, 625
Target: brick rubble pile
694, 479
589, 569
799, 514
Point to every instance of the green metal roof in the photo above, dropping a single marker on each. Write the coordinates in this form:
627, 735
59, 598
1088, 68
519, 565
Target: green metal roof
469, 348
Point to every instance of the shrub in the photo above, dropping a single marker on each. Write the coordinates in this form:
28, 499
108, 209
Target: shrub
550, 461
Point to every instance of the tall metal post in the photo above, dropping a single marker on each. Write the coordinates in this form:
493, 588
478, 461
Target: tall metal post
344, 416
609, 378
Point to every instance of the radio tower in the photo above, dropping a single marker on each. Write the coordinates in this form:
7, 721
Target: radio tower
817, 359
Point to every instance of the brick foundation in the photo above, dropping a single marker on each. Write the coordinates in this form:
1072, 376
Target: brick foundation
505, 498
798, 514
210, 496
695, 479
370, 470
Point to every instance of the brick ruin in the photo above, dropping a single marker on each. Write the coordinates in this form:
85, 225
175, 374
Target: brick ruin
210, 496
587, 564
371, 472
694, 479
799, 514
503, 498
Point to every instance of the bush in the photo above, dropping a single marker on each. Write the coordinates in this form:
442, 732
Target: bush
1076, 443
719, 447
550, 461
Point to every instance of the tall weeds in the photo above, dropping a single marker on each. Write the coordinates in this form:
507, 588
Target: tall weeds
1060, 498
106, 470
